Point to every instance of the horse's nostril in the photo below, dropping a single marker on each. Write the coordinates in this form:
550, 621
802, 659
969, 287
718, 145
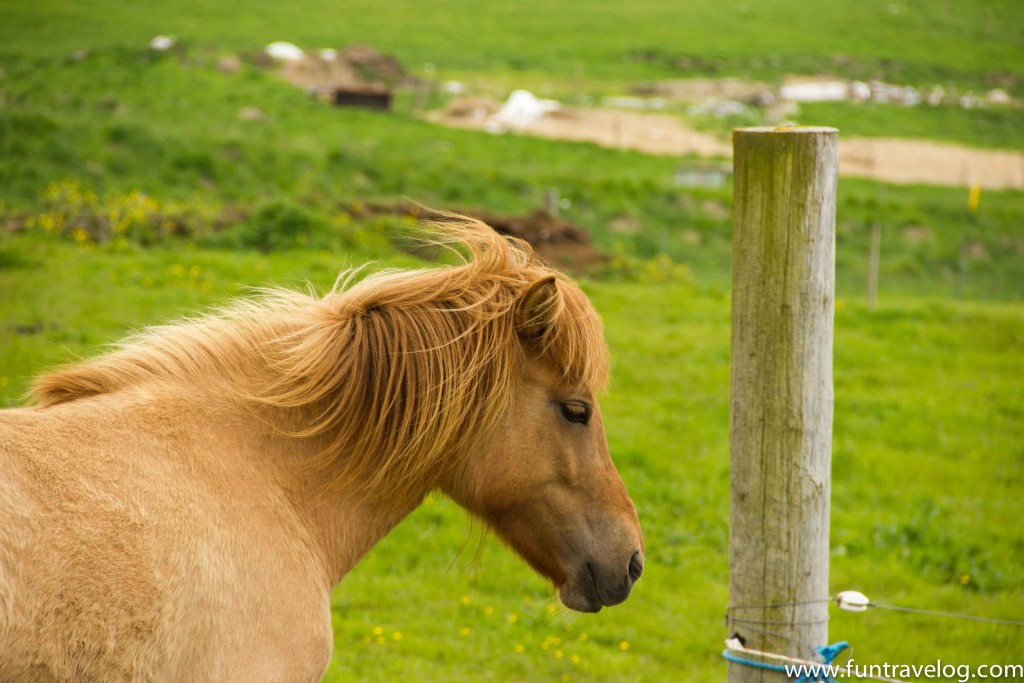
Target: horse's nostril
636, 566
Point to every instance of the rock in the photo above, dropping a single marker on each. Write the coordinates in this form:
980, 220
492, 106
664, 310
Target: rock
815, 91
521, 110
997, 96
162, 43
284, 51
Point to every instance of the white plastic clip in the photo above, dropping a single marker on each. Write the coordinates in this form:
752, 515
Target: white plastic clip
852, 601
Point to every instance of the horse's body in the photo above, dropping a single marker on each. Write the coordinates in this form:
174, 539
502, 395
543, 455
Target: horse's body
181, 509
142, 549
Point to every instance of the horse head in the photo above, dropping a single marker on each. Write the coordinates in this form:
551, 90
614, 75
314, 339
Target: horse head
543, 479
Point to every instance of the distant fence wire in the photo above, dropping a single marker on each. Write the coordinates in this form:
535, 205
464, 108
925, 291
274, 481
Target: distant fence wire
951, 615
838, 600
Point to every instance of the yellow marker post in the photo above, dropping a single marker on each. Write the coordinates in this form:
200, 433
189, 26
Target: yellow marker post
974, 198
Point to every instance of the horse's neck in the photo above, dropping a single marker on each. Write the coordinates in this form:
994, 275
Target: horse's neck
341, 524
348, 528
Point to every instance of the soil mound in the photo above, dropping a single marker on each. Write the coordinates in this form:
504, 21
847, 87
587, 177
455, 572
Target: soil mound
562, 244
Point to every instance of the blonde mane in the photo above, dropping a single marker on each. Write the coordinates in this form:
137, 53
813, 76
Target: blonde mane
397, 372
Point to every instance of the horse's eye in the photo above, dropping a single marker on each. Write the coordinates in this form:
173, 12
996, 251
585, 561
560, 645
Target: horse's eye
576, 411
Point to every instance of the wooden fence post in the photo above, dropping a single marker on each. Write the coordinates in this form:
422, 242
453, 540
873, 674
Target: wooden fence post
783, 288
874, 256
552, 201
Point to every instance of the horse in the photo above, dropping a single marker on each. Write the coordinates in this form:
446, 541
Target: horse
181, 507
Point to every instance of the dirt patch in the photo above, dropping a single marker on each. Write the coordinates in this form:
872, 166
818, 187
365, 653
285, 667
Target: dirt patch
356, 66
473, 108
934, 163
371, 65
314, 72
884, 159
557, 241
700, 89
650, 133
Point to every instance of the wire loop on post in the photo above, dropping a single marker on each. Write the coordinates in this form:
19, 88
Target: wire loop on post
852, 601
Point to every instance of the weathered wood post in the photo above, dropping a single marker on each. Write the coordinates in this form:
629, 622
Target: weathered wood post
783, 285
552, 201
874, 256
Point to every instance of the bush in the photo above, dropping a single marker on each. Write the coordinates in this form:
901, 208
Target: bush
281, 224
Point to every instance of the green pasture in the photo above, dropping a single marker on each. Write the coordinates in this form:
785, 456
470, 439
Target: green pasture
126, 120
571, 51
133, 192
924, 41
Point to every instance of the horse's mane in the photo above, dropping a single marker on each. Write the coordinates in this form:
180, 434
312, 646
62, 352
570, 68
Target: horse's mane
396, 370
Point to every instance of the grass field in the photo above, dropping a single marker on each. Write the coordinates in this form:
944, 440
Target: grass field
916, 42
168, 126
146, 154
554, 47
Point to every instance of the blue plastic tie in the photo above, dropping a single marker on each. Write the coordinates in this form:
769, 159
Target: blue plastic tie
817, 675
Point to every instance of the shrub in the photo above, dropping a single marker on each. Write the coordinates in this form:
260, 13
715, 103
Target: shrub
278, 225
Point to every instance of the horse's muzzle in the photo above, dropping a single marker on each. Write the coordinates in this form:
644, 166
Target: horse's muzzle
595, 585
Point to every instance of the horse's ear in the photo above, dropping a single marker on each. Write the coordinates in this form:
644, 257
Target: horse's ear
536, 307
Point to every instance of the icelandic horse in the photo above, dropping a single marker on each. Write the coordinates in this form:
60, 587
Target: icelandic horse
181, 507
